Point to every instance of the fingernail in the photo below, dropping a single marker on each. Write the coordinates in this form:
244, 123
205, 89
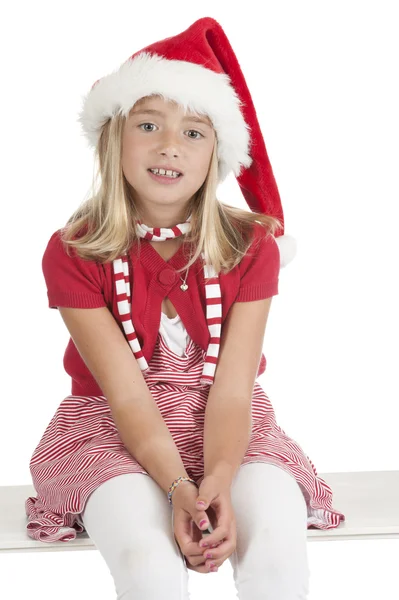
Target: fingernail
204, 544
203, 522
214, 569
200, 503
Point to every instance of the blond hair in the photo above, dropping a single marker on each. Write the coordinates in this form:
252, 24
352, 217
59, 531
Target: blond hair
106, 220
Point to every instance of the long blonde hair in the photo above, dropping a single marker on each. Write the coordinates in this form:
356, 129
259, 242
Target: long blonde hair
103, 227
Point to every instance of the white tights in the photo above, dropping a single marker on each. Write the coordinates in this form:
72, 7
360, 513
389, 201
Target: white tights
129, 520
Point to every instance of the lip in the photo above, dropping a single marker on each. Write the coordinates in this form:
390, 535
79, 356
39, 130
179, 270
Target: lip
164, 180
166, 168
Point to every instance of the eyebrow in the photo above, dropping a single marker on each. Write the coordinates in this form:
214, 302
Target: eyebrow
152, 111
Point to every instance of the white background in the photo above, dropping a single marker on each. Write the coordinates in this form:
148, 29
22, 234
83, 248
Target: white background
323, 76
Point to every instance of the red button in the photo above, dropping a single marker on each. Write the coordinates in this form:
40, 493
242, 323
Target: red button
167, 276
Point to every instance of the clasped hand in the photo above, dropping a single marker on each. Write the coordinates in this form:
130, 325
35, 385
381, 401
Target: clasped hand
217, 510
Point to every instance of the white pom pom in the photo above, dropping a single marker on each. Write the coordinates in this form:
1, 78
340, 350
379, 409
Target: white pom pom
288, 247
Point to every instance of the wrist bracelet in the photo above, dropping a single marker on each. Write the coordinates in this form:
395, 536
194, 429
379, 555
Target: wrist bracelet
175, 484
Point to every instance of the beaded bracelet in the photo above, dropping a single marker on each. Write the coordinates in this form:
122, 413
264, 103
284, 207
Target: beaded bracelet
175, 484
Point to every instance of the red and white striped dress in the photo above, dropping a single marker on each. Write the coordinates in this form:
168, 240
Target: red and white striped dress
81, 447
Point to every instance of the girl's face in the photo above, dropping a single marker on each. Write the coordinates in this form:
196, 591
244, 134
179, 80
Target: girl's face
158, 134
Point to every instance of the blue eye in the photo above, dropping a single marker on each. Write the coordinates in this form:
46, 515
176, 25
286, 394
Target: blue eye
152, 125
195, 132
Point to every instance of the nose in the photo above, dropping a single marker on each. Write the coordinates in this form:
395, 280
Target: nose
169, 152
169, 145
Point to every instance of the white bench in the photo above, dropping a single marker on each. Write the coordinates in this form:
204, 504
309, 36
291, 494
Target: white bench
368, 499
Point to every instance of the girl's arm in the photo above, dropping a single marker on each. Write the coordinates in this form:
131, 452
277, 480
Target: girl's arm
228, 414
138, 420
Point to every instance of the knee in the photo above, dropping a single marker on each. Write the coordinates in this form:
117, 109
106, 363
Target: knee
271, 548
274, 565
147, 569
142, 561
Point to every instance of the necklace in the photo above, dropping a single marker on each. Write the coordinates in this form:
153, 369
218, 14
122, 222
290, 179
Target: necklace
184, 285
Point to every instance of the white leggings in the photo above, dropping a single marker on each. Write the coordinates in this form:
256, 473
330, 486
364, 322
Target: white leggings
130, 522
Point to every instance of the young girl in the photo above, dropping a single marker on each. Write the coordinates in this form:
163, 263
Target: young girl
165, 292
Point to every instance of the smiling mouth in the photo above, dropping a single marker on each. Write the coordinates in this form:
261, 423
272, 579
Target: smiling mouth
164, 180
164, 175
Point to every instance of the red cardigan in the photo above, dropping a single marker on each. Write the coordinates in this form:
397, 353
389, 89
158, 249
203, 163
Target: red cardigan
74, 282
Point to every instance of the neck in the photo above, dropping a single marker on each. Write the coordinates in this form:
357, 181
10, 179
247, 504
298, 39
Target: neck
167, 248
166, 221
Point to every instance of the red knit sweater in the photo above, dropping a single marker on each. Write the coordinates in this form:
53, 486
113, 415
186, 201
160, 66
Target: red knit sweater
74, 282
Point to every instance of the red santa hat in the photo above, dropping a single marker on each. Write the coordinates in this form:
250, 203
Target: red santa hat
199, 70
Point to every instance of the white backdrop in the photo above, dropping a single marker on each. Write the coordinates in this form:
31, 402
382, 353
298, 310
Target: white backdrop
323, 76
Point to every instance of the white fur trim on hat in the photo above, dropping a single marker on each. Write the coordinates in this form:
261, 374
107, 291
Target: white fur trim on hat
287, 246
193, 86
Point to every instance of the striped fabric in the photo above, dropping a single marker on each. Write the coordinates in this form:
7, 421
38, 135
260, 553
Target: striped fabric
81, 447
212, 293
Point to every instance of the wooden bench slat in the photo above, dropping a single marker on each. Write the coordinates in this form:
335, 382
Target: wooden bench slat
368, 499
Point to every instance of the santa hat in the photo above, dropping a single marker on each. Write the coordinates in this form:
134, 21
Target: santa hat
199, 70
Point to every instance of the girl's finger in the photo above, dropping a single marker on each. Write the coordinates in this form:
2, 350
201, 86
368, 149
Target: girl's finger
222, 552
194, 551
215, 537
200, 569
210, 548
216, 544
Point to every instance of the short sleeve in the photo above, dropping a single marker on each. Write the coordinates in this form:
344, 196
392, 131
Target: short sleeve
71, 281
259, 269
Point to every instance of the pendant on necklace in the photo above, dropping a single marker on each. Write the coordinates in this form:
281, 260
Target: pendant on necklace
184, 287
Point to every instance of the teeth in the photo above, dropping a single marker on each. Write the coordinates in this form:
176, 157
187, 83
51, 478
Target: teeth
173, 174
